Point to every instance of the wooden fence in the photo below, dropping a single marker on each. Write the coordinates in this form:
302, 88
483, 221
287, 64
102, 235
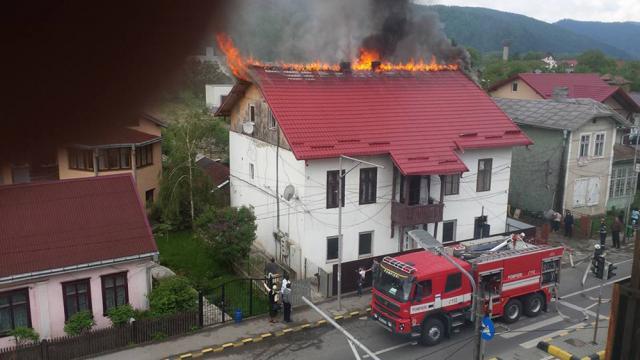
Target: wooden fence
103, 340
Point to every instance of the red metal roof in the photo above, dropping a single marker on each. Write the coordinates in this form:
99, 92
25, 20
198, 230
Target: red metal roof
49, 225
584, 86
422, 119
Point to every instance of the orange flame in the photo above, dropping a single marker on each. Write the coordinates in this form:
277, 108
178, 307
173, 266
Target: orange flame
364, 62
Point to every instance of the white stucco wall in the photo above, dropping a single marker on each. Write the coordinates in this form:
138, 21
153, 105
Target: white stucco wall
213, 94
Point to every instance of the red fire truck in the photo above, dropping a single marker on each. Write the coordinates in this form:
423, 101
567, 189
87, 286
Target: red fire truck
422, 294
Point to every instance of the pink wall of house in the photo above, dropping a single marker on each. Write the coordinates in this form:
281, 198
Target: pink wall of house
47, 303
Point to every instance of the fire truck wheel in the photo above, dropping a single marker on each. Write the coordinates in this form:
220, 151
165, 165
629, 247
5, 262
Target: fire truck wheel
512, 311
533, 305
432, 332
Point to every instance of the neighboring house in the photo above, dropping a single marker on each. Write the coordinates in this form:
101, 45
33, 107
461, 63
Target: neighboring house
568, 168
624, 178
71, 245
576, 86
215, 94
135, 150
218, 174
445, 148
617, 80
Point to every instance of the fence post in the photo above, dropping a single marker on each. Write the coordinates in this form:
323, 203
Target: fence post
250, 297
200, 309
44, 349
223, 302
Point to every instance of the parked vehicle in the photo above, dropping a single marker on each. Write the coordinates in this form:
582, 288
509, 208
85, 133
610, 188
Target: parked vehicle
421, 294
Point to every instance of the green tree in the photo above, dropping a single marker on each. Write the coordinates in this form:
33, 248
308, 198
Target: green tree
630, 70
475, 56
172, 295
79, 323
595, 61
24, 335
184, 189
120, 315
229, 231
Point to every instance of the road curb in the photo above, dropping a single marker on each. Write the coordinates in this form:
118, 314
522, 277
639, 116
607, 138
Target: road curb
565, 355
273, 334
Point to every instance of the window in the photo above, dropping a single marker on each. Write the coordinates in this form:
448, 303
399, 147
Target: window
414, 189
148, 196
80, 159
514, 86
252, 171
332, 189
272, 120
115, 291
452, 184
449, 231
77, 297
368, 183
114, 159
332, 248
252, 114
484, 175
426, 288
364, 243
598, 145
144, 156
14, 310
584, 145
454, 282
623, 181
586, 191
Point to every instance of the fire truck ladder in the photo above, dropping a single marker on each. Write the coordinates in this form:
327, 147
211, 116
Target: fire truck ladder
404, 267
490, 256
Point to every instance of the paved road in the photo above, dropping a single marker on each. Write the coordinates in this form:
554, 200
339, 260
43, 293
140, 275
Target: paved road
516, 341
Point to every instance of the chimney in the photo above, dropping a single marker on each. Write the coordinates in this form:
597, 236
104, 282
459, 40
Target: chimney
560, 93
375, 65
345, 66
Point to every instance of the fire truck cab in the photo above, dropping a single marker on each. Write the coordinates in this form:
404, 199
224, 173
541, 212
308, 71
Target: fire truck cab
421, 294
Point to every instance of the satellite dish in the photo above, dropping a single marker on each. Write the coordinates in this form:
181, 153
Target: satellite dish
247, 127
288, 193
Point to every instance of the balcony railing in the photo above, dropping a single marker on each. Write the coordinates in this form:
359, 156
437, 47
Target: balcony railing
404, 215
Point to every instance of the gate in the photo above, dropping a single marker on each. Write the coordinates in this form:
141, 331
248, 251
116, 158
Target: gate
222, 302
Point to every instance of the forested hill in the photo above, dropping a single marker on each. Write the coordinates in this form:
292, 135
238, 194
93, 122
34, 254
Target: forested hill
623, 35
486, 29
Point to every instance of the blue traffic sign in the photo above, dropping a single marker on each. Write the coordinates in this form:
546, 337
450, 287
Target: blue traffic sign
488, 329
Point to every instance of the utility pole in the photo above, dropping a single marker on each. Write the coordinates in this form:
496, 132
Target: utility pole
635, 156
341, 179
595, 327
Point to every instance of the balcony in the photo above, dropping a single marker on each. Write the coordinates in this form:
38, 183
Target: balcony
407, 215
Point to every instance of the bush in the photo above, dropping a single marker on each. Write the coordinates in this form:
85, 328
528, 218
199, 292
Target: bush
172, 295
79, 323
120, 315
24, 335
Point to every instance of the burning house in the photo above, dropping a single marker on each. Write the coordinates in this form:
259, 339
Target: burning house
445, 148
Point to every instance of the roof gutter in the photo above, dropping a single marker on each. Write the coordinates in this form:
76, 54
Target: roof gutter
112, 146
67, 269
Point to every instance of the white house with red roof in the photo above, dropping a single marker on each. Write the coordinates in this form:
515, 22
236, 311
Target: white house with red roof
71, 245
445, 148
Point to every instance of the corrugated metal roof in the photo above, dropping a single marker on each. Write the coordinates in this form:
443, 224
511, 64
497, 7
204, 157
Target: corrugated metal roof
422, 119
50, 225
567, 114
584, 86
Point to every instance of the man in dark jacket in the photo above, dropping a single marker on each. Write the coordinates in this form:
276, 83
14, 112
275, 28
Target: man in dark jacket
603, 232
616, 227
568, 224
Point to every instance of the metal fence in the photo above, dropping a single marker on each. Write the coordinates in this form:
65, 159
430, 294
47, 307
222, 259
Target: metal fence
103, 340
221, 303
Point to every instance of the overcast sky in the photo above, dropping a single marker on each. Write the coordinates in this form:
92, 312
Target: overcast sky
554, 10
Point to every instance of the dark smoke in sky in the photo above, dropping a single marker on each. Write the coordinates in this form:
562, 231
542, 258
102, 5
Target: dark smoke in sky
334, 30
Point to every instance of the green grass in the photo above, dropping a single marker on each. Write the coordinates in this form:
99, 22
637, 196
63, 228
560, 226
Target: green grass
188, 256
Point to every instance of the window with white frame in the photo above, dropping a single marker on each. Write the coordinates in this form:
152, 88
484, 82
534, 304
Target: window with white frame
586, 191
514, 86
598, 144
251, 171
623, 181
585, 140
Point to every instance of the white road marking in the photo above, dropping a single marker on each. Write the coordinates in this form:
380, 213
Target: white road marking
581, 309
533, 342
391, 348
534, 326
594, 287
590, 306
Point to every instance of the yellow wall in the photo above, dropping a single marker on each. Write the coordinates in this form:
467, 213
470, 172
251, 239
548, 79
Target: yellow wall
5, 173
524, 91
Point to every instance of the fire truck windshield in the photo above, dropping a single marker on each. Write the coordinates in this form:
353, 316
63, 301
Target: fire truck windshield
392, 283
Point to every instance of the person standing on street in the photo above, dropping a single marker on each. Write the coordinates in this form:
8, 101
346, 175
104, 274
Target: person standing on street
557, 218
616, 227
568, 224
603, 232
273, 303
362, 273
286, 302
